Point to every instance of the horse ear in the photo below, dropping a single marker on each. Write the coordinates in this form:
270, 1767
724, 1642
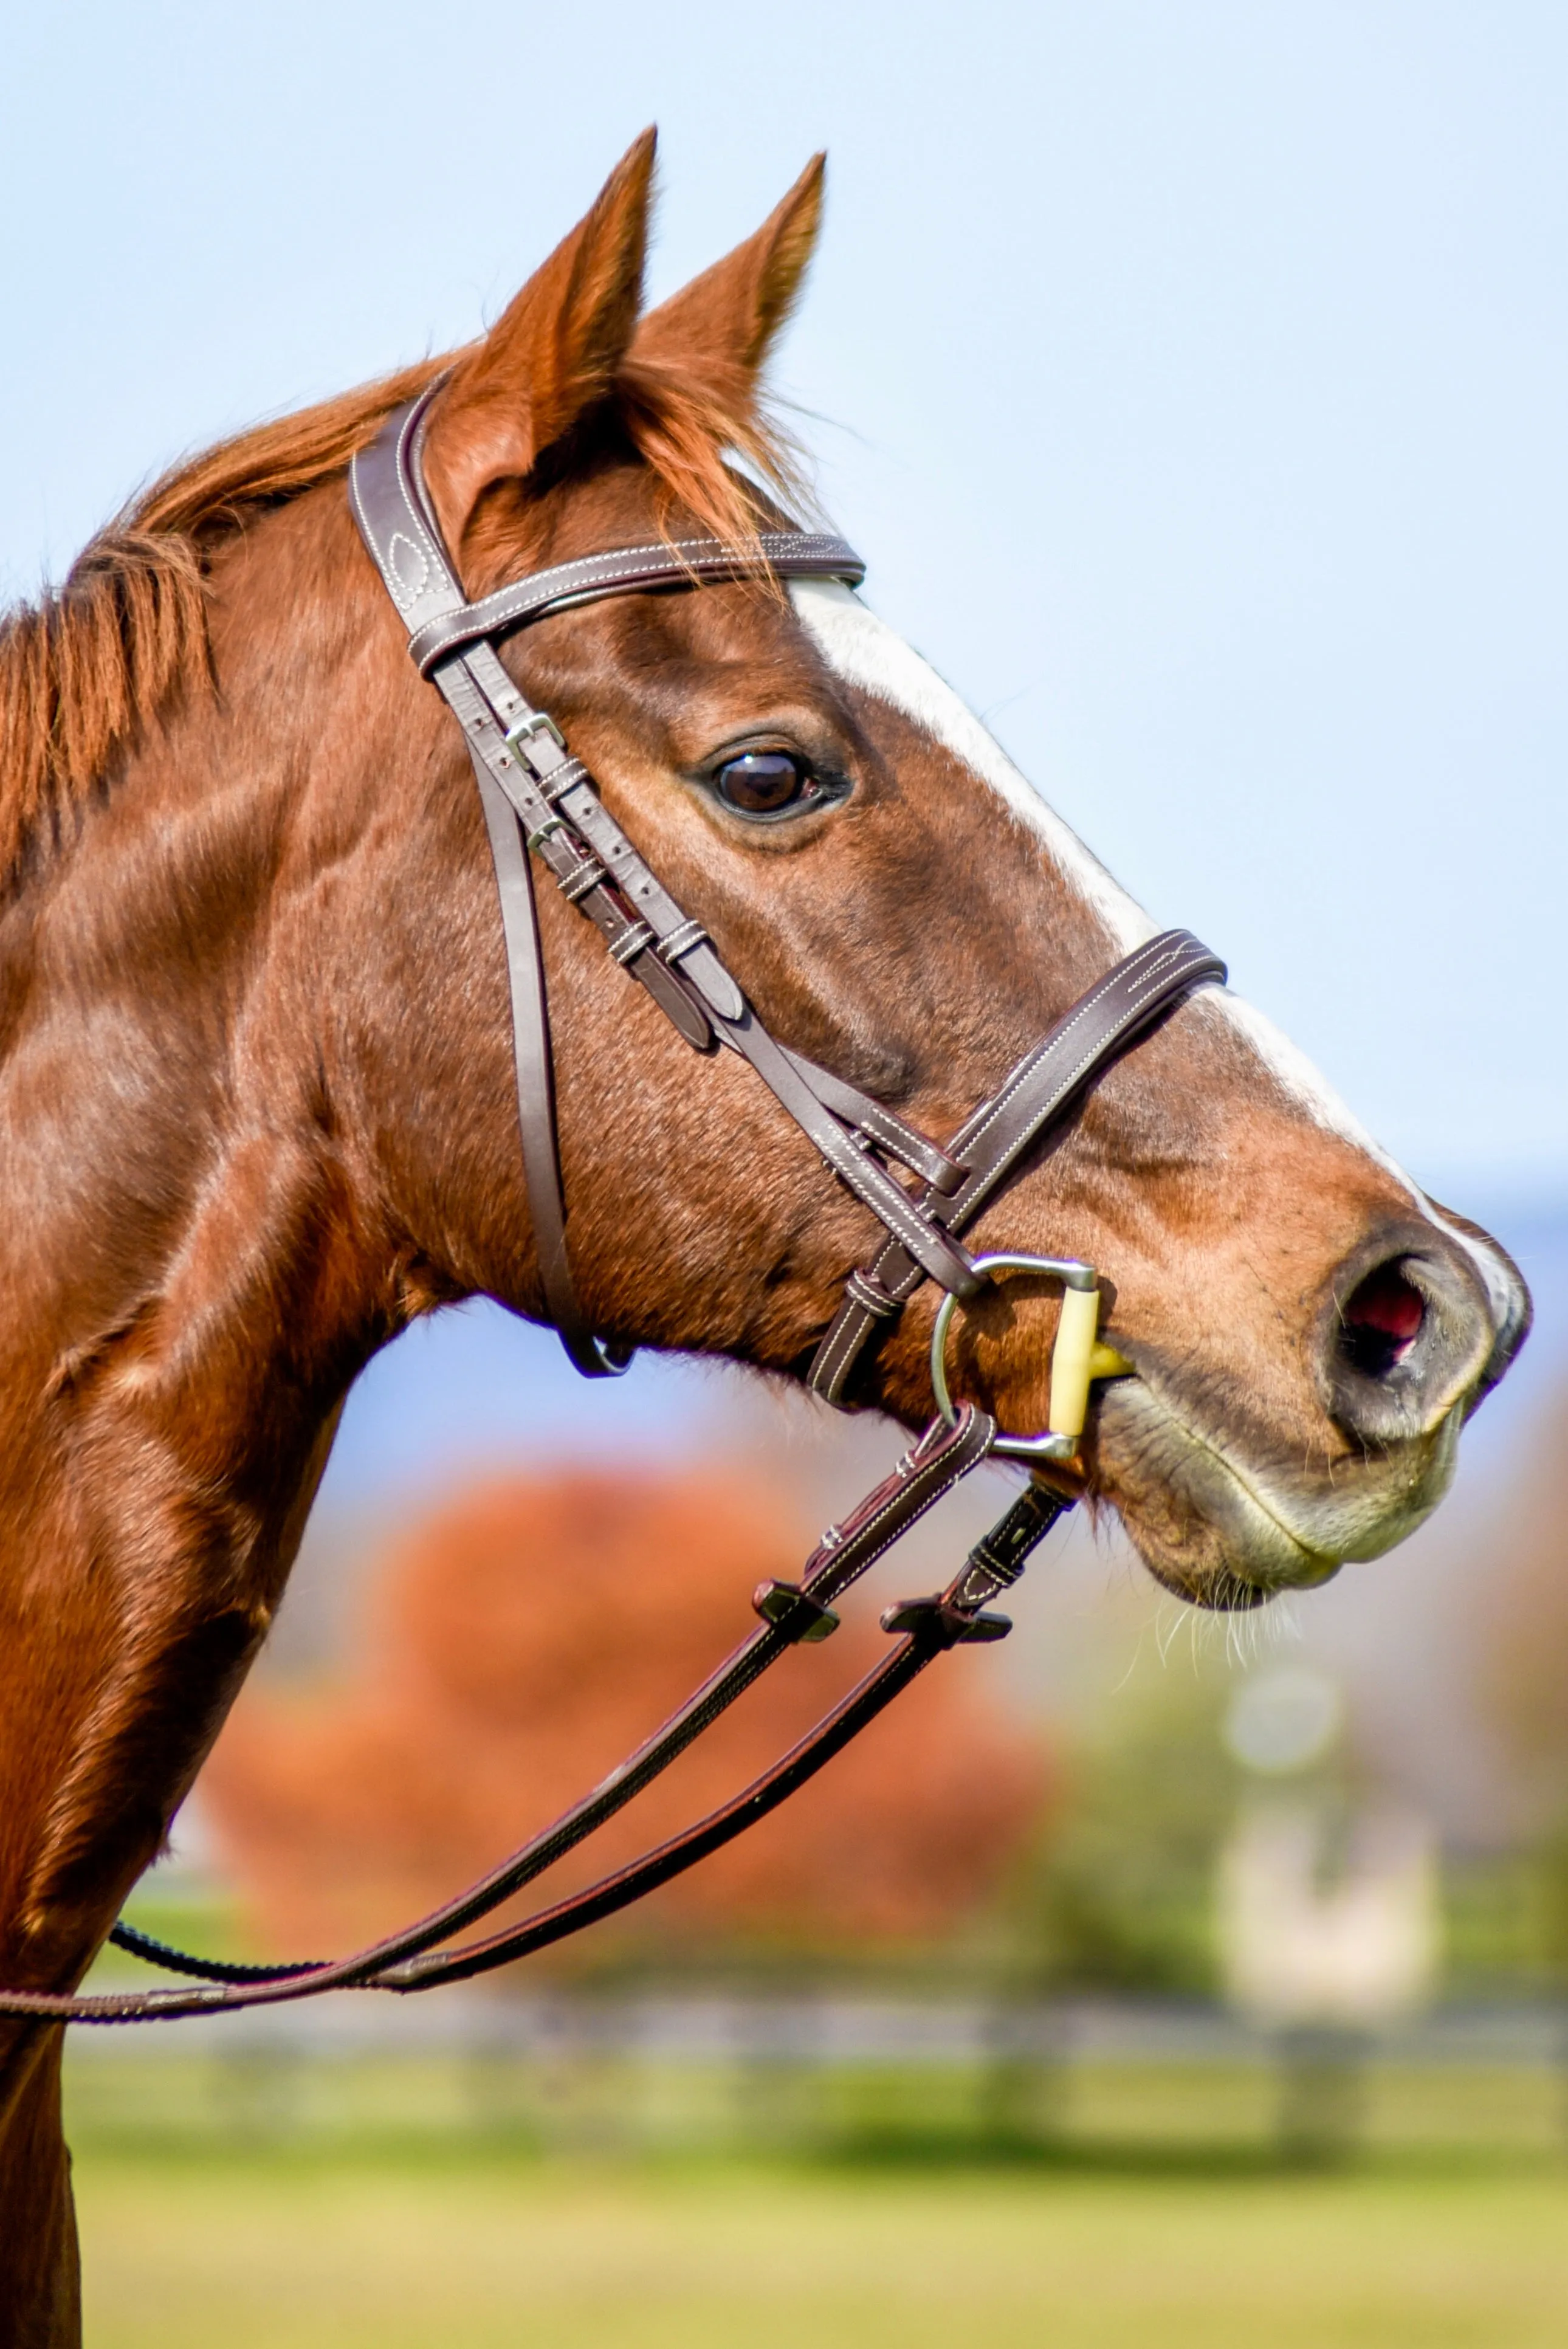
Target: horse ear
720, 326
551, 356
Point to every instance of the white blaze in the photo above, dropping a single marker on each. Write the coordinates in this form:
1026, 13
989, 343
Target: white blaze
865, 652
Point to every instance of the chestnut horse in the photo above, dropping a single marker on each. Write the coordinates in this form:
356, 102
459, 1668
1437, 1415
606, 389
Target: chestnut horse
257, 1074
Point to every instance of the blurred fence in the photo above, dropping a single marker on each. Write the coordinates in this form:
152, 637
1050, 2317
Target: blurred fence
832, 2076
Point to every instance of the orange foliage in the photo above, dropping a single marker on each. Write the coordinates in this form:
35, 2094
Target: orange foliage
520, 1644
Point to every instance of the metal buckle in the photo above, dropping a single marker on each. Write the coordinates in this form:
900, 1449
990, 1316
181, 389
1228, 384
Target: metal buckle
538, 722
1076, 1358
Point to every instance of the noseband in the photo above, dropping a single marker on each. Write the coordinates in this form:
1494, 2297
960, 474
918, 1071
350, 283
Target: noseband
537, 796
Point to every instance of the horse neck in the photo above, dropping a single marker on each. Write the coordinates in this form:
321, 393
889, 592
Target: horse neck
194, 1276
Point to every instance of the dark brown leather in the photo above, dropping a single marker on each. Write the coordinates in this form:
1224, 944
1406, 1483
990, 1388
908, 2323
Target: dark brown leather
1117, 1011
930, 1469
566, 823
564, 820
891, 1136
413, 563
633, 570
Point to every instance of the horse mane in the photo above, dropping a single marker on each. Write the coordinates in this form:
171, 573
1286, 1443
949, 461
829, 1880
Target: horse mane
92, 665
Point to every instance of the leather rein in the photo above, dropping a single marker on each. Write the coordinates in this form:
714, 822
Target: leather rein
538, 797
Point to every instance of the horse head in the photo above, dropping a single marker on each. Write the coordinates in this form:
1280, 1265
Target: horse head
1308, 1331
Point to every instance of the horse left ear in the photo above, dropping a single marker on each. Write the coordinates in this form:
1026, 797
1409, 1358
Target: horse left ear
550, 357
721, 325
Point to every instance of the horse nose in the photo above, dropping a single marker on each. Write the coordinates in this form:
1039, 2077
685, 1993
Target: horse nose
1408, 1333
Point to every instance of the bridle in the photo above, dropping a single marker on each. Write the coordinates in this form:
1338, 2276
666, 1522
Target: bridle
538, 797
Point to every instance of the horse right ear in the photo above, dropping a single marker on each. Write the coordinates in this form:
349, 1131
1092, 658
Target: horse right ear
553, 354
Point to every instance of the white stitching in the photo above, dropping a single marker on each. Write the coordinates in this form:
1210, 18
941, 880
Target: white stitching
1136, 1003
854, 1321
422, 541
370, 539
966, 1140
422, 536
682, 938
870, 1300
630, 943
945, 1468
406, 596
870, 1195
1172, 957
835, 1357
531, 597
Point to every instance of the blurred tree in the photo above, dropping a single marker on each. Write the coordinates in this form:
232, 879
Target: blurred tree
526, 1638
1116, 1892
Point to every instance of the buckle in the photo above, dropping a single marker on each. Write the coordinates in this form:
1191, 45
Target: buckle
536, 722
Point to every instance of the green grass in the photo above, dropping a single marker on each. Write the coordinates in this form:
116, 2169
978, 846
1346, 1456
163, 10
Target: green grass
371, 2204
257, 2254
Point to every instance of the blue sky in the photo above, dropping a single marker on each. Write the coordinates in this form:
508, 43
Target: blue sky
1192, 376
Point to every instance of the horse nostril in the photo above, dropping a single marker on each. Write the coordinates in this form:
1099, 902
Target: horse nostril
1406, 1334
1380, 1322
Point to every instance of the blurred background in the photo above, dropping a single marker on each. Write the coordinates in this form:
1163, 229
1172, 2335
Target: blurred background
1192, 376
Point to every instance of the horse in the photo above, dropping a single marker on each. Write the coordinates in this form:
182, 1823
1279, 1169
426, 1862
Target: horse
256, 1065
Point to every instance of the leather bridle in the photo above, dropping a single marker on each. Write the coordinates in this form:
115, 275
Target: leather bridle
537, 796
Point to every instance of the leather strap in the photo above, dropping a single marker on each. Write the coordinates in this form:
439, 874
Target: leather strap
1117, 1011
568, 823
930, 1625
407, 548
933, 1466
627, 569
563, 819
535, 1067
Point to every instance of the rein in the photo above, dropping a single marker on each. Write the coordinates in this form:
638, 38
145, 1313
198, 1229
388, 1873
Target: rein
538, 797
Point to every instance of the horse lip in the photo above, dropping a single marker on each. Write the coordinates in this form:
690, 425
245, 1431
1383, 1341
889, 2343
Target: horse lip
1314, 1566
1236, 1508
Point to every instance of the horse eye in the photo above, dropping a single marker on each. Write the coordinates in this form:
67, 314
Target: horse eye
765, 783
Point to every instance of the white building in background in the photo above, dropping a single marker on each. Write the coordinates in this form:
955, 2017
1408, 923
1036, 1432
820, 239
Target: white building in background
1311, 1935
1358, 1948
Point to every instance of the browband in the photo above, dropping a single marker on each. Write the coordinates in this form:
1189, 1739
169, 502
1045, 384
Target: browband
626, 570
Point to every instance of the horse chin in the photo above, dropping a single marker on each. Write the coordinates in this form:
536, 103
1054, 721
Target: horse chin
1226, 1536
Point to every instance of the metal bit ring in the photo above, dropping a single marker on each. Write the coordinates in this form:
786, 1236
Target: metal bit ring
1074, 1274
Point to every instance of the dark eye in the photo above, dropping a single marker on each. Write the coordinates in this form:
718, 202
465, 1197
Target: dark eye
766, 783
